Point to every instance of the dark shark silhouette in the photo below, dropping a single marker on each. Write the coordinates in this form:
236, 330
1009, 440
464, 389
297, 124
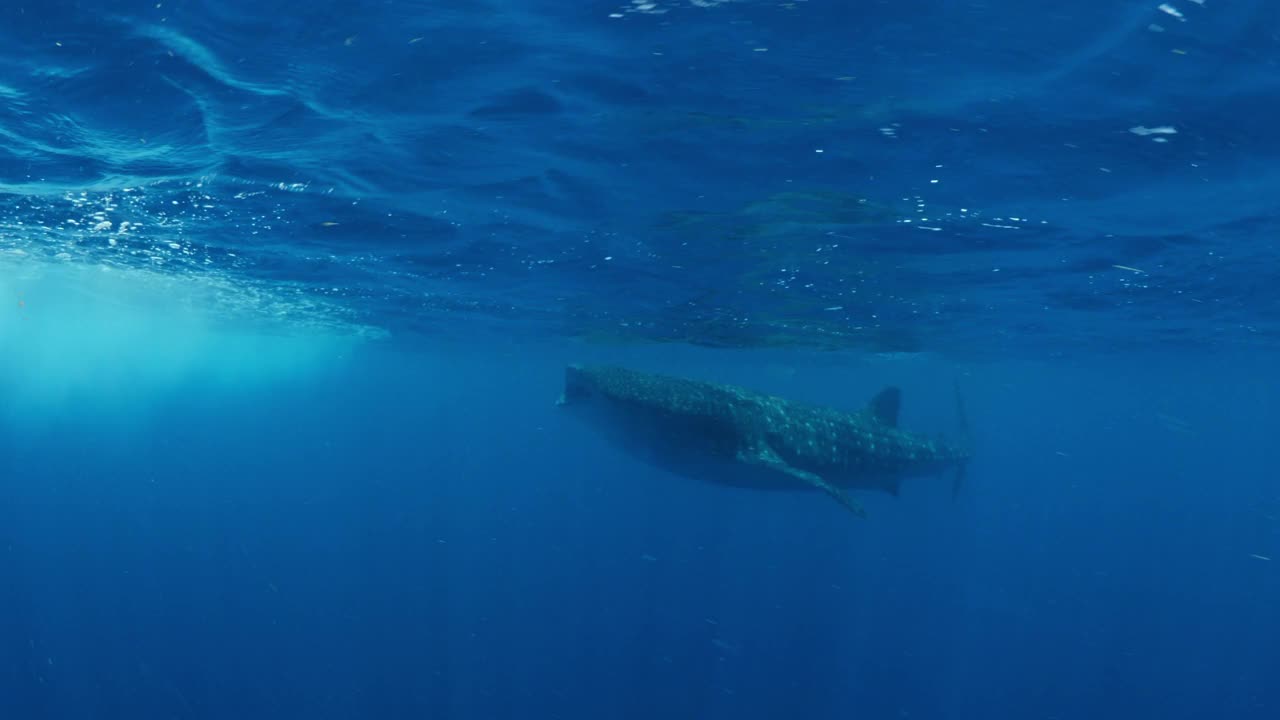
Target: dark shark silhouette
732, 436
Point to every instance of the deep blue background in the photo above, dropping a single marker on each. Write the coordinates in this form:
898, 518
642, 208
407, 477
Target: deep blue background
420, 533
287, 290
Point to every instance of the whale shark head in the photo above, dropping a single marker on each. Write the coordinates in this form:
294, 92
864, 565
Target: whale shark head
591, 396
579, 387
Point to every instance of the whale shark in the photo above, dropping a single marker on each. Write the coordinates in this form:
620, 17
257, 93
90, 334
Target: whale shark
733, 436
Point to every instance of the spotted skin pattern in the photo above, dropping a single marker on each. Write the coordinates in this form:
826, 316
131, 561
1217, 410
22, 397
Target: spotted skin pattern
702, 429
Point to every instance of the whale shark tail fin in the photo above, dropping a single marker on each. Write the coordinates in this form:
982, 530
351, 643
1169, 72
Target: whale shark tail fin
966, 443
961, 416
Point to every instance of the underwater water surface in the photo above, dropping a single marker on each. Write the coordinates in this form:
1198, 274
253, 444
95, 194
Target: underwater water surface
287, 294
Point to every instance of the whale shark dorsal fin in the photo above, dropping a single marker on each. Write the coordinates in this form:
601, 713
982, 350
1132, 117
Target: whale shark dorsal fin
884, 406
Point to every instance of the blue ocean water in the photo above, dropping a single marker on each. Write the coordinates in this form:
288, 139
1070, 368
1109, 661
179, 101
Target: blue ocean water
289, 290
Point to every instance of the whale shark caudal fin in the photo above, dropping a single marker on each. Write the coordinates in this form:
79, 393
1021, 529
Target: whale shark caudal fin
884, 406
768, 458
965, 437
961, 416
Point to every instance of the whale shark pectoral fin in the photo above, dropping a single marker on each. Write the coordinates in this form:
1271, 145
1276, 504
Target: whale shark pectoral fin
770, 460
839, 495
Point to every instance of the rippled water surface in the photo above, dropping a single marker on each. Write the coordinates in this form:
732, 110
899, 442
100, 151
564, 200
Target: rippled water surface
970, 178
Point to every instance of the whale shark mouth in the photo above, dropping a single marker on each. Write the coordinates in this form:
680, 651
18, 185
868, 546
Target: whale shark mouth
577, 385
